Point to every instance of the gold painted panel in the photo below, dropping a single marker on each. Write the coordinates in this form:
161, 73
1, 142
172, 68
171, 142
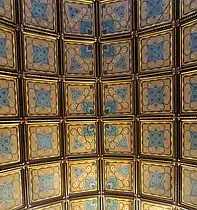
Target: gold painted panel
115, 17
42, 97
44, 181
9, 96
118, 137
188, 7
157, 179
84, 204
7, 10
80, 98
156, 95
188, 90
40, 54
116, 58
11, 189
40, 14
79, 58
157, 138
81, 137
189, 183
118, 203
9, 144
58, 206
78, 18
189, 144
8, 48
188, 43
43, 140
156, 52
118, 175
150, 13
145, 205
117, 98
82, 176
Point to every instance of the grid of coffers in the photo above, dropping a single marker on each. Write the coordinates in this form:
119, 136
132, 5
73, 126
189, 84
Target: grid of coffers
97, 104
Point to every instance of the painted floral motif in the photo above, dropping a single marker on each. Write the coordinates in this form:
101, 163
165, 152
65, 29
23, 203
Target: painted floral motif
189, 44
40, 54
189, 186
43, 140
8, 97
10, 189
189, 139
78, 18
42, 97
7, 48
156, 96
148, 206
79, 59
80, 99
116, 58
45, 181
40, 14
7, 10
9, 144
157, 179
154, 12
157, 138
115, 17
83, 176
112, 203
189, 92
118, 137
117, 98
81, 138
156, 52
118, 175
84, 204
188, 7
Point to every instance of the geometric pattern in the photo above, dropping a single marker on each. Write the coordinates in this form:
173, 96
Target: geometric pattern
45, 181
8, 96
10, 189
82, 176
79, 59
78, 18
43, 140
40, 14
156, 52
156, 95
150, 12
98, 104
81, 138
118, 137
7, 48
118, 177
188, 89
157, 138
41, 54
116, 58
80, 99
115, 17
157, 179
42, 97
189, 186
117, 98
9, 144
189, 44
89, 203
